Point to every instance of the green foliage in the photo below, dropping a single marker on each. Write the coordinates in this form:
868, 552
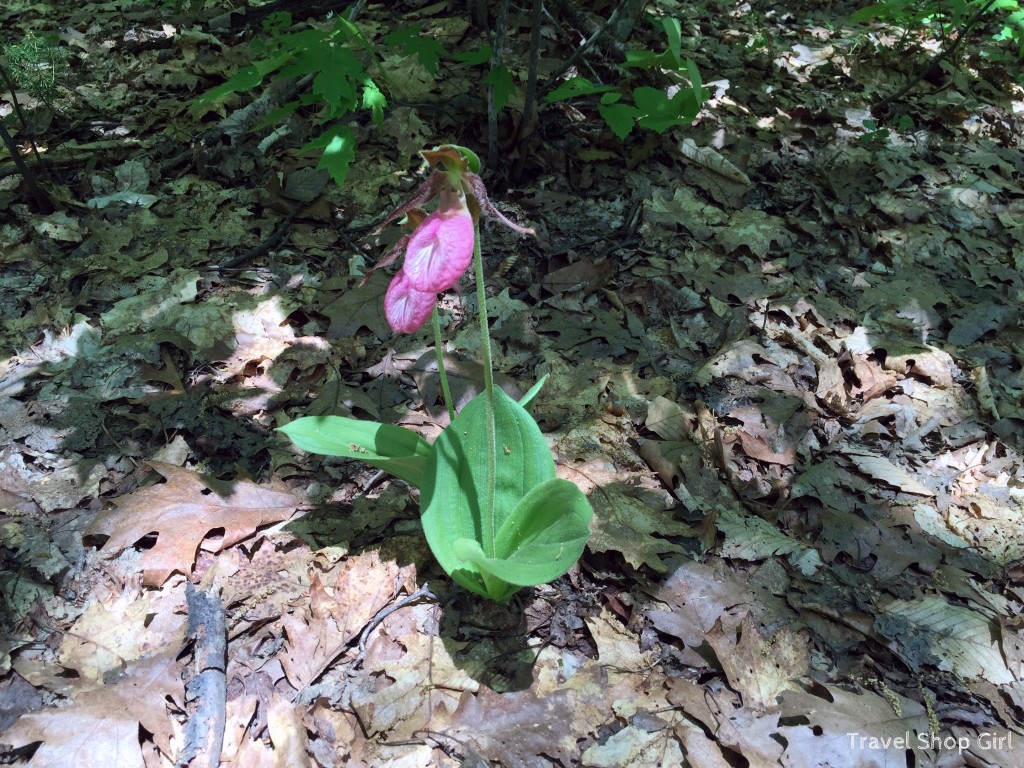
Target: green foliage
427, 50
38, 65
500, 79
398, 451
194, 7
876, 136
339, 58
946, 17
653, 109
539, 523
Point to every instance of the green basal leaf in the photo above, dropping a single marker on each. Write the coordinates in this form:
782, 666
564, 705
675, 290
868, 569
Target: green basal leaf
673, 31
527, 400
396, 450
648, 60
540, 540
696, 81
454, 491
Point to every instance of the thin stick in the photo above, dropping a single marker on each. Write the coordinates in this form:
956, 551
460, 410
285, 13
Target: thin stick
439, 351
552, 81
498, 40
529, 107
935, 63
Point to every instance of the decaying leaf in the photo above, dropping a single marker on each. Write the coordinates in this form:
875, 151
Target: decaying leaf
183, 512
101, 727
882, 469
760, 668
627, 525
961, 640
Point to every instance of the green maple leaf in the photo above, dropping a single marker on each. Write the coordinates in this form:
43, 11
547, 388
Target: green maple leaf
426, 48
500, 80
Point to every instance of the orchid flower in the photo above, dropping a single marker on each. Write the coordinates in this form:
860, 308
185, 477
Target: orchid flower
440, 249
497, 518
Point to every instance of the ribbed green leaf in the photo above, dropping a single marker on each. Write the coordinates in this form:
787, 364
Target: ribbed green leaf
454, 490
396, 450
540, 540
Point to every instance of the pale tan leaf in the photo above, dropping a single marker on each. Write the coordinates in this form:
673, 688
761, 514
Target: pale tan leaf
183, 511
882, 469
964, 640
760, 669
100, 729
708, 158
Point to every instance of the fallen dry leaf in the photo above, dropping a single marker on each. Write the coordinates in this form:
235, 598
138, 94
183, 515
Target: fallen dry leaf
183, 511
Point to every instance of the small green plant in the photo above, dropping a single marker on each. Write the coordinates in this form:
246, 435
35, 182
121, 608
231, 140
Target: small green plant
38, 66
948, 18
877, 136
650, 108
336, 60
494, 514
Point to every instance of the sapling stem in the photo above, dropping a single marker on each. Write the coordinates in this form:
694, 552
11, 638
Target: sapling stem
487, 516
439, 351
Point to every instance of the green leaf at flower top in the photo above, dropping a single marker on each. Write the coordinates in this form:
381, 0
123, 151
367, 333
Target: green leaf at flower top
396, 450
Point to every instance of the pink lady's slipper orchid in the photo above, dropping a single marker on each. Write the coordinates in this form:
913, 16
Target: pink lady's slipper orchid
440, 248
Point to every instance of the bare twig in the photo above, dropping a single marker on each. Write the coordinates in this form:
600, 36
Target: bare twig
43, 204
586, 46
267, 245
204, 733
383, 613
530, 105
497, 41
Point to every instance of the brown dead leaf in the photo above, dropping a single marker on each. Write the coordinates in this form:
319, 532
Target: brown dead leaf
822, 721
183, 511
288, 734
698, 595
884, 470
629, 526
669, 420
759, 669
517, 728
364, 585
583, 275
101, 727
762, 439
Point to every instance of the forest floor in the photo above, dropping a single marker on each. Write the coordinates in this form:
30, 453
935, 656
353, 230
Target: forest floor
787, 372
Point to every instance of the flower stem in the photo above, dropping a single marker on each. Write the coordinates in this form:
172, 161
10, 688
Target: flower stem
487, 514
439, 351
